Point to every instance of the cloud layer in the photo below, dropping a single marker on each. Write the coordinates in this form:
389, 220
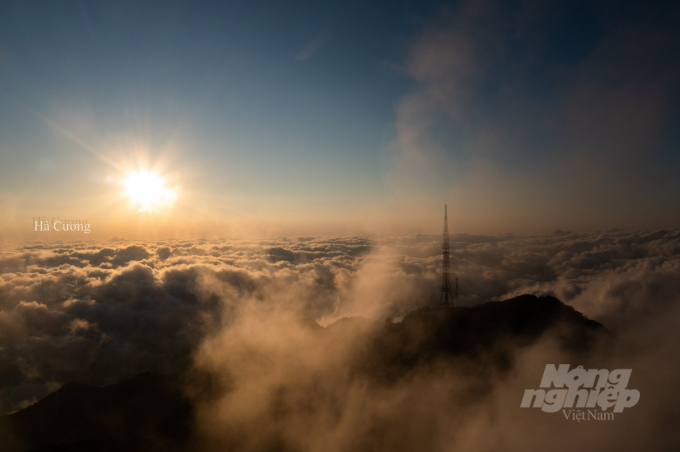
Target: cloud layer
100, 313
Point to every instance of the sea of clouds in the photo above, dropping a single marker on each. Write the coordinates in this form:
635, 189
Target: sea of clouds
101, 312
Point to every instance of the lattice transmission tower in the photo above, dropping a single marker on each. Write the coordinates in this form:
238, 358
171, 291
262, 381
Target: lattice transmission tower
447, 299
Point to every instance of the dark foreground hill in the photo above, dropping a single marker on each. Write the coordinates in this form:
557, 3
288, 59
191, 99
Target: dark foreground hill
152, 413
148, 412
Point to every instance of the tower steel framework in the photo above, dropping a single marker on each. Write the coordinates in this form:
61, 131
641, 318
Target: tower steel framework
447, 298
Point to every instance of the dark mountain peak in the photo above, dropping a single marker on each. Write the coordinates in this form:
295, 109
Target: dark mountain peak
520, 320
521, 311
484, 335
151, 413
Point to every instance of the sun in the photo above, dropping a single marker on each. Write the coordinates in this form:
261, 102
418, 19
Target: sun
148, 191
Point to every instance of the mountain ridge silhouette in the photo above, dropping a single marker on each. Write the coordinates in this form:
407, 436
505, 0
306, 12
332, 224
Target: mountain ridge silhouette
152, 412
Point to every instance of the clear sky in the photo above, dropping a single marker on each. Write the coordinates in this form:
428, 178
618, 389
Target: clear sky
284, 118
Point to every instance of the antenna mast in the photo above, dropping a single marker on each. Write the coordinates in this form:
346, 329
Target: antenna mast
446, 297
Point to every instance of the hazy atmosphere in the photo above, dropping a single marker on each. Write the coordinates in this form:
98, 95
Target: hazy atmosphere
367, 226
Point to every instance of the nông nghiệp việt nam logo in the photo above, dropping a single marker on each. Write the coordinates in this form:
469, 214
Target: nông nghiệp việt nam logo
582, 394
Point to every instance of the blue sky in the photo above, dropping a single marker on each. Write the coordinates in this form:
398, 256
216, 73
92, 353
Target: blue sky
362, 113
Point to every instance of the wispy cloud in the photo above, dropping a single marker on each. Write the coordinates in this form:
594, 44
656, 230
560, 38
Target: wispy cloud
568, 136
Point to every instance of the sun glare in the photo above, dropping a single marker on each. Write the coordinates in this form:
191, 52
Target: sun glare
148, 192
